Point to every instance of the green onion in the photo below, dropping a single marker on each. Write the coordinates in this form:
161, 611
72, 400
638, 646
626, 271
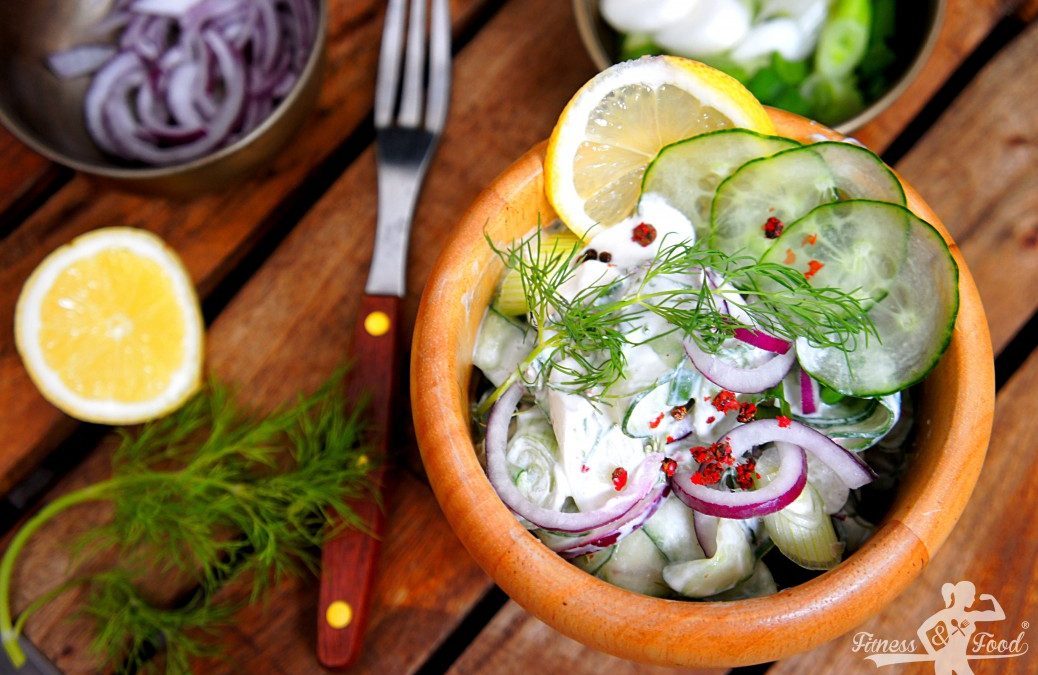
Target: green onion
844, 38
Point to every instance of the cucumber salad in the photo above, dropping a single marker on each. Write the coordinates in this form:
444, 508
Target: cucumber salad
671, 397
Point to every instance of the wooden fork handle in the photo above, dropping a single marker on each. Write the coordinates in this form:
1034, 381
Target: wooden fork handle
348, 560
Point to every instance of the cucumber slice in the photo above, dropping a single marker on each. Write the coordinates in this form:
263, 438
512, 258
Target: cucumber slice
547, 246
501, 346
876, 246
688, 172
856, 423
784, 186
732, 563
860, 245
860, 173
759, 584
636, 565
804, 532
791, 183
592, 562
646, 416
682, 385
673, 532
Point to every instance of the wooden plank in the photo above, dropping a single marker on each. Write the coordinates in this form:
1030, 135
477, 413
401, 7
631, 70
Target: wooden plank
211, 233
514, 640
976, 169
24, 175
991, 547
966, 24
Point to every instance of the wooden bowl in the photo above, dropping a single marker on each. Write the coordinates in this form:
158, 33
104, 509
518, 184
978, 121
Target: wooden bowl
953, 423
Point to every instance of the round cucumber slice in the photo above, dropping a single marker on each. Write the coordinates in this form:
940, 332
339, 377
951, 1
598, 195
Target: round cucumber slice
847, 245
860, 173
879, 246
783, 186
791, 183
688, 172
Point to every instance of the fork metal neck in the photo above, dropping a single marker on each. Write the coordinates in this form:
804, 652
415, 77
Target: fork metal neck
403, 158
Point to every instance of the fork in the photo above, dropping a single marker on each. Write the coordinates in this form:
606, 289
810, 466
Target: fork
409, 118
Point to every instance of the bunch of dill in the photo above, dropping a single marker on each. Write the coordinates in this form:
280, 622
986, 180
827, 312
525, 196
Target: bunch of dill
214, 495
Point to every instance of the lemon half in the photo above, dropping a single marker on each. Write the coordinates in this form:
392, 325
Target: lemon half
616, 124
109, 328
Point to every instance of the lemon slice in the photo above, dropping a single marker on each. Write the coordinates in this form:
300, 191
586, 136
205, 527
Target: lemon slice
616, 124
109, 328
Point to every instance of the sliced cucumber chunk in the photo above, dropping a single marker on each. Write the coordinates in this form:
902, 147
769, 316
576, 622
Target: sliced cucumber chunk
637, 565
857, 423
688, 172
904, 264
804, 532
673, 532
646, 416
759, 584
592, 562
732, 563
784, 186
501, 346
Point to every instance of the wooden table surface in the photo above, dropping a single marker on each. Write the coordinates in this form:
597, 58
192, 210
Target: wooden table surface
279, 261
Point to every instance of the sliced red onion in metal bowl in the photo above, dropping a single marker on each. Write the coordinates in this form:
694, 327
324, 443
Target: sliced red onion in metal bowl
185, 78
641, 481
762, 340
786, 486
734, 378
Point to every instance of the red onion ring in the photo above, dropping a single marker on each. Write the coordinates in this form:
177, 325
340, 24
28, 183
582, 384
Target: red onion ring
807, 394
734, 378
848, 466
613, 533
641, 481
762, 340
786, 486
706, 532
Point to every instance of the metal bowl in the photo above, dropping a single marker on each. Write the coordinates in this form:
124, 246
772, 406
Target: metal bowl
603, 44
46, 113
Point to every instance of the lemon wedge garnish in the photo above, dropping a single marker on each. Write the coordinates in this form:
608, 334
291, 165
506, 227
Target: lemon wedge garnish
616, 124
109, 328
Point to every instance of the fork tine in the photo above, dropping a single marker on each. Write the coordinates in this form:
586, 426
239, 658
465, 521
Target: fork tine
439, 66
414, 68
389, 64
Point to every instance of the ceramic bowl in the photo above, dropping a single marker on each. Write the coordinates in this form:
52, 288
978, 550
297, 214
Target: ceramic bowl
603, 45
953, 426
46, 113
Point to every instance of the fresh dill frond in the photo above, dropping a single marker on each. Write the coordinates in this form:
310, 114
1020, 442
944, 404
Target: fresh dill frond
211, 493
582, 339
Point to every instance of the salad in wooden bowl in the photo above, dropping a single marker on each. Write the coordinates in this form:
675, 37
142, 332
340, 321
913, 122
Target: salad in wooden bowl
733, 380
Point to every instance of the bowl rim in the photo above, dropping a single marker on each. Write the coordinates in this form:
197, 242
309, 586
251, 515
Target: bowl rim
310, 70
639, 627
600, 57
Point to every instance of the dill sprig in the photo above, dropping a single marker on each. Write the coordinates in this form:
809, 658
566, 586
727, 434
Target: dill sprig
582, 338
212, 493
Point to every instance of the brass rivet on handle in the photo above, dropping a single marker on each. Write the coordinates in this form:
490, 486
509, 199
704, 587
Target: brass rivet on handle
339, 614
377, 324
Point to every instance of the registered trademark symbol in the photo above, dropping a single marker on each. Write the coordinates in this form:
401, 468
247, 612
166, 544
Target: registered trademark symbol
1025, 625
